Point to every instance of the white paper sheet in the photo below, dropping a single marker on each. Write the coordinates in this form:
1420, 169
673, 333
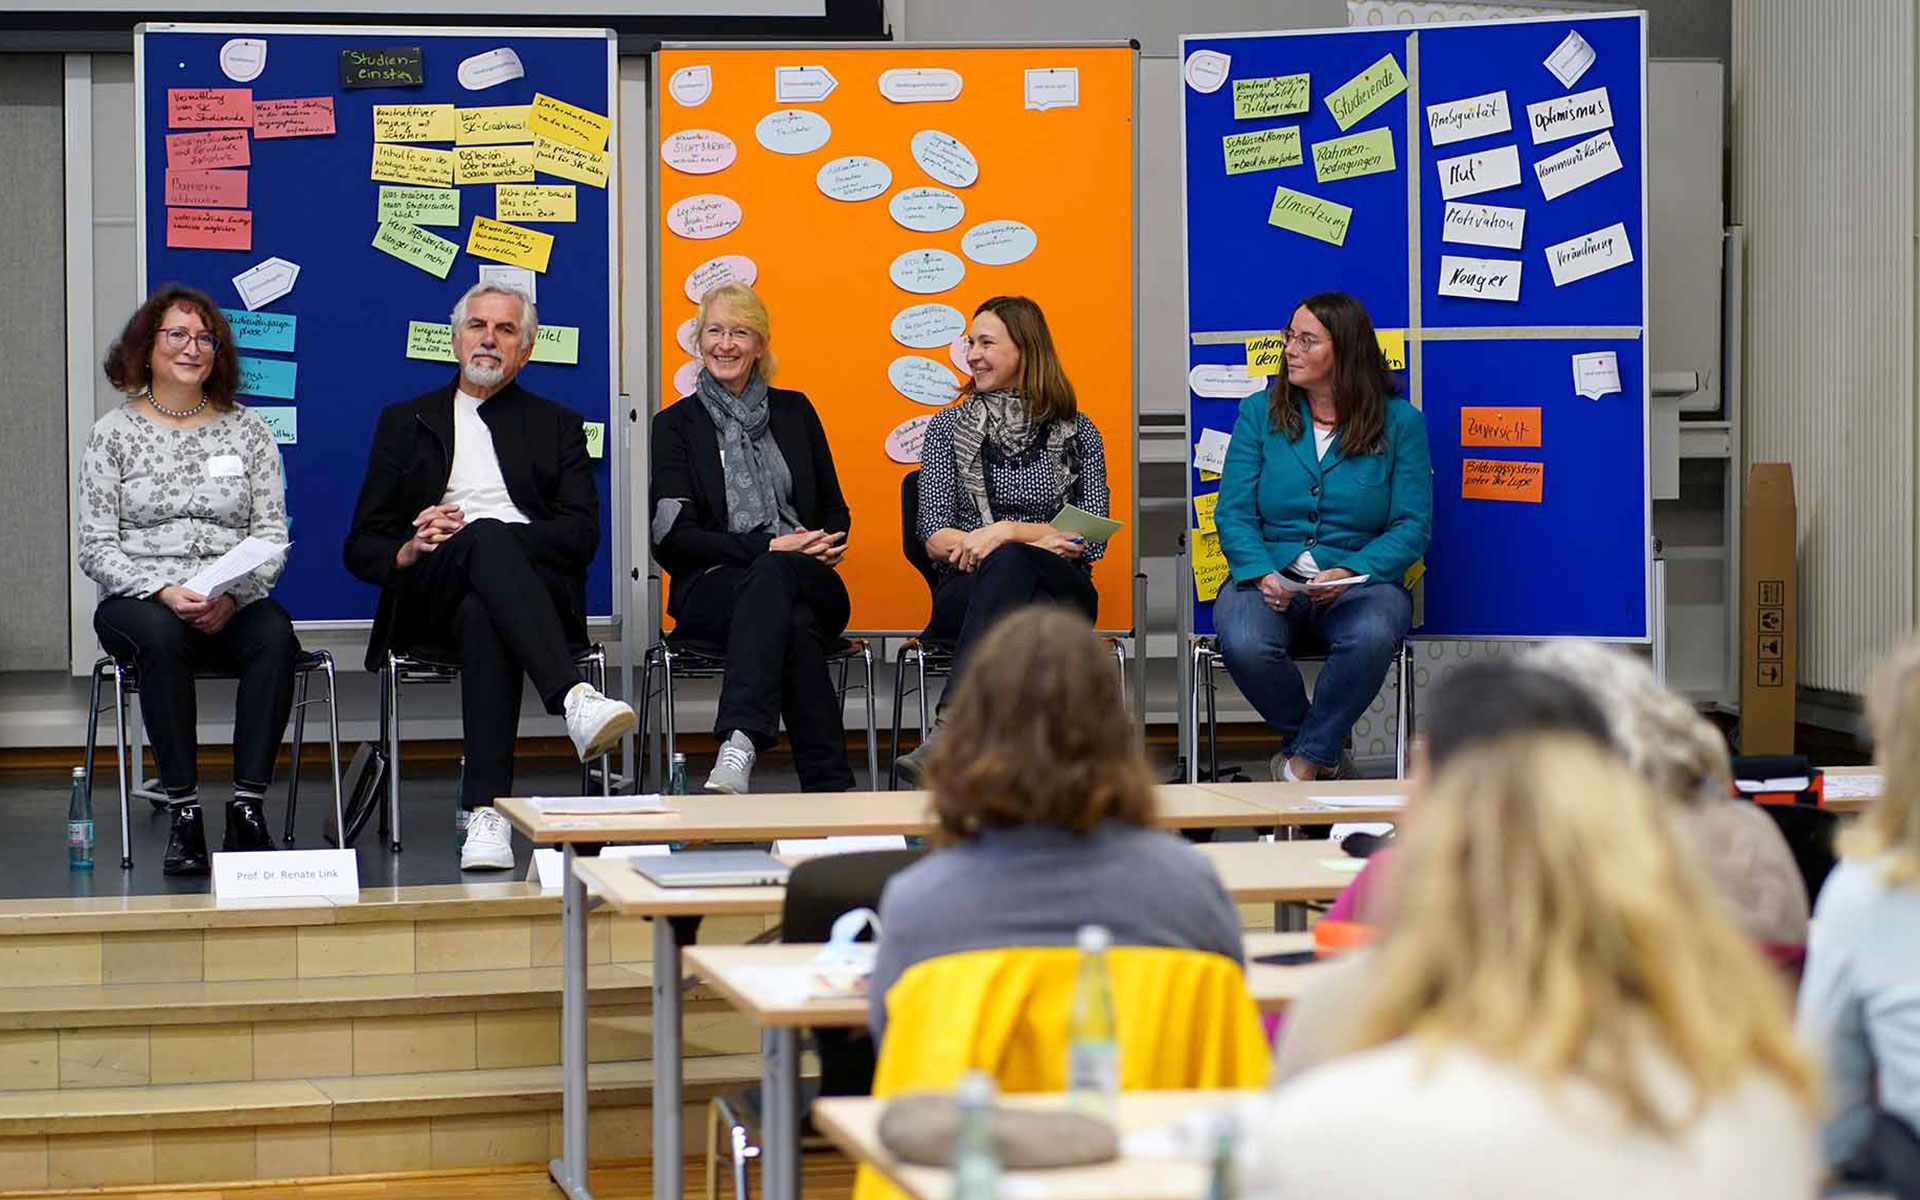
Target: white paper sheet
1597, 374
1854, 787
523, 278
1570, 116
1481, 171
220, 576
1589, 254
593, 806
802, 85
1464, 120
1571, 58
1483, 225
265, 282
1206, 70
1211, 453
1053, 87
1577, 165
1480, 278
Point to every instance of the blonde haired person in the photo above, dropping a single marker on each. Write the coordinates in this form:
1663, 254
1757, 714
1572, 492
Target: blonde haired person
750, 523
1557, 1005
1860, 1000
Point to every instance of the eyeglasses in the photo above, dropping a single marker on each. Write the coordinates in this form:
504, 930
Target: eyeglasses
176, 339
1307, 342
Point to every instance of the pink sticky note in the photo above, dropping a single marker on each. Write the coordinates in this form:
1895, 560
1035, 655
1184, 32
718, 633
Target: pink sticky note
307, 116
210, 108
207, 189
205, 151
210, 228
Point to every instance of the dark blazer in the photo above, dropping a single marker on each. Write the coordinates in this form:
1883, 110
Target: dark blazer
543, 458
686, 468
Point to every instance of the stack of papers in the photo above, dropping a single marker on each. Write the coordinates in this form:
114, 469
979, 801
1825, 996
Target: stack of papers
1854, 787
598, 806
1379, 800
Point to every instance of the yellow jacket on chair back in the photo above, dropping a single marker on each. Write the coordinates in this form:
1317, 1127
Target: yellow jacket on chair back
1184, 1018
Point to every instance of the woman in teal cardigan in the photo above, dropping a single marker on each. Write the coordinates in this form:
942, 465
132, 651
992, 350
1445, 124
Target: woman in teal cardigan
1326, 500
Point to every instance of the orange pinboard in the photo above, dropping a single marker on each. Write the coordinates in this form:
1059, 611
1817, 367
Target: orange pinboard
823, 265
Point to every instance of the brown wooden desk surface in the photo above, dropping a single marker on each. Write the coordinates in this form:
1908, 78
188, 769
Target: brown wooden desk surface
1296, 804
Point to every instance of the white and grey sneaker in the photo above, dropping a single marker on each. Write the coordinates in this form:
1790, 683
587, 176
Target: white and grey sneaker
489, 844
912, 766
734, 767
596, 723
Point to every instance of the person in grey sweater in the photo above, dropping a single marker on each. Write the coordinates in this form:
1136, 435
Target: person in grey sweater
1044, 805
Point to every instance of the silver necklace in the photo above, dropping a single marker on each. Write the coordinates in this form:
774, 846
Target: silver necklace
177, 414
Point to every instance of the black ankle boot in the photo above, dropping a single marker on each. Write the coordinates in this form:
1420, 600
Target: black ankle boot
186, 843
246, 827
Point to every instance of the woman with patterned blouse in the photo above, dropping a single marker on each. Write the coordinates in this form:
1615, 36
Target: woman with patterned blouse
995, 470
171, 480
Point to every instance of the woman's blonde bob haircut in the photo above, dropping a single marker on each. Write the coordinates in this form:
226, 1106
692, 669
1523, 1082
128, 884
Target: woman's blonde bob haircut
749, 310
1891, 826
1544, 917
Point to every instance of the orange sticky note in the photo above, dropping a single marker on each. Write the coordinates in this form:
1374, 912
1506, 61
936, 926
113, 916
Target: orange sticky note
207, 189
210, 228
209, 108
206, 151
1498, 479
1499, 427
306, 116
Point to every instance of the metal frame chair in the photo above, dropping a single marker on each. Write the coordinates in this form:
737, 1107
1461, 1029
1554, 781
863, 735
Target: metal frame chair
126, 682
425, 666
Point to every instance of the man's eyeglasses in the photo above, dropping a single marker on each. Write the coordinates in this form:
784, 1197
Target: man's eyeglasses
176, 339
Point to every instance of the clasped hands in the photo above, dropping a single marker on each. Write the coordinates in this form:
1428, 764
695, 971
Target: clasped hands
814, 543
207, 616
973, 547
435, 524
1278, 597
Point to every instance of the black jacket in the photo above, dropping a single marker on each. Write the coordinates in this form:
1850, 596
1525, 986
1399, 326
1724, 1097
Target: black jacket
686, 467
543, 458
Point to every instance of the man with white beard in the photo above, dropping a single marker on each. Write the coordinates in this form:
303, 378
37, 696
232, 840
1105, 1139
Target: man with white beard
477, 520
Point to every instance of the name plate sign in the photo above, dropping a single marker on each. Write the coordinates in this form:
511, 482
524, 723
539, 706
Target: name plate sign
280, 874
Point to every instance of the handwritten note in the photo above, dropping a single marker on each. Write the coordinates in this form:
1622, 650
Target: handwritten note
283, 421
492, 126
518, 278
1577, 166
304, 116
509, 244
1483, 225
571, 162
419, 206
1052, 87
1481, 171
1498, 479
1571, 58
1589, 254
412, 164
1262, 150
1596, 374
1310, 216
207, 151
391, 66
563, 122
1393, 347
489, 69
207, 189
270, 377
209, 108
1479, 278
1570, 116
414, 245
266, 281
1464, 120
1365, 92
1266, 355
1366, 153
210, 228
596, 434
1499, 426
534, 202
492, 164
1203, 507
430, 341
262, 330
1275, 96
1210, 452
557, 344
1210, 568
413, 123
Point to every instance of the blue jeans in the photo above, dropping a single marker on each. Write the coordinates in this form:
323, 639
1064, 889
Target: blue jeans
1360, 633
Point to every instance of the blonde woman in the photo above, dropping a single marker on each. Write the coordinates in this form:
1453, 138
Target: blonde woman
1557, 1007
1860, 1000
749, 521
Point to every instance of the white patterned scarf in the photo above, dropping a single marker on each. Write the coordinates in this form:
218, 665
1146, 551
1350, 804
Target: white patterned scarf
1000, 417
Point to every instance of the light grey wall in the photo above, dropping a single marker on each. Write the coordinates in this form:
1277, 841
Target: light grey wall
1157, 24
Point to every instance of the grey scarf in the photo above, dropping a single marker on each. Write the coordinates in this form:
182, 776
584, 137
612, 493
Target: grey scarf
1000, 416
759, 484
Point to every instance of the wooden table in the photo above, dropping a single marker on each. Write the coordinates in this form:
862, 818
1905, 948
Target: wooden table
1294, 804
853, 1122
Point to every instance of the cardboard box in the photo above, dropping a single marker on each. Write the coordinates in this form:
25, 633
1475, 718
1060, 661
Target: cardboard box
1769, 611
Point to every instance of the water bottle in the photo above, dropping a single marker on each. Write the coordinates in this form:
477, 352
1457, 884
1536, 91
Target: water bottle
460, 813
1093, 1050
976, 1156
79, 823
677, 784
1223, 1185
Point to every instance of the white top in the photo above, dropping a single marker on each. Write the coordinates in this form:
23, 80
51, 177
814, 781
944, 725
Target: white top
1392, 1123
1304, 565
475, 484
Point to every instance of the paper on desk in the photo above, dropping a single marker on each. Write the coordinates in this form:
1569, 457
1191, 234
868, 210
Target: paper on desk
548, 868
593, 806
1094, 528
1379, 800
1210, 454
1854, 787
1345, 866
845, 844
220, 576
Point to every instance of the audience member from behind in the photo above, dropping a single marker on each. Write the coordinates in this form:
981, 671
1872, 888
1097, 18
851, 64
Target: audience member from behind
1044, 802
1860, 998
1557, 1004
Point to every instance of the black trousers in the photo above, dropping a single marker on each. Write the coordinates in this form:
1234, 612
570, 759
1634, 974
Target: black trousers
777, 617
967, 603
480, 595
258, 645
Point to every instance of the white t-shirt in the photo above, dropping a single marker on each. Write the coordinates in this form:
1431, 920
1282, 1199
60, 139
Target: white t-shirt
475, 485
1304, 565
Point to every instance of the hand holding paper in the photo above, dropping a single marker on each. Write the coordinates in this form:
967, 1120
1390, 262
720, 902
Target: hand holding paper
1073, 519
220, 577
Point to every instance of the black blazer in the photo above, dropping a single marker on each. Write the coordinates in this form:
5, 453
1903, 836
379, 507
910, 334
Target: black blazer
543, 458
686, 467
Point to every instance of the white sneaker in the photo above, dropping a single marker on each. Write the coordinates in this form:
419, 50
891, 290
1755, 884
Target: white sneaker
734, 767
489, 844
596, 723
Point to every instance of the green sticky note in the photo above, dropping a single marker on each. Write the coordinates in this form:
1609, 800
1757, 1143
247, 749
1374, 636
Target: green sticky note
412, 244
557, 344
1274, 96
1366, 153
1365, 92
430, 341
420, 205
1310, 215
596, 438
1262, 150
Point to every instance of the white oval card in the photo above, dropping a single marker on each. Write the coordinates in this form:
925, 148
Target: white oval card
855, 177
688, 335
925, 272
928, 326
926, 209
912, 85
698, 151
945, 157
792, 131
922, 380
687, 377
1224, 381
957, 352
997, 243
707, 215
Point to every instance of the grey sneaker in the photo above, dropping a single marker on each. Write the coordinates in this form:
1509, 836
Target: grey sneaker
734, 768
913, 764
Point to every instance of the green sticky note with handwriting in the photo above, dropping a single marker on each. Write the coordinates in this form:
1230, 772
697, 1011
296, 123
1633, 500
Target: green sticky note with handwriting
557, 344
1310, 215
1365, 92
596, 432
1074, 519
1262, 150
1274, 96
1366, 153
412, 244
427, 340
419, 205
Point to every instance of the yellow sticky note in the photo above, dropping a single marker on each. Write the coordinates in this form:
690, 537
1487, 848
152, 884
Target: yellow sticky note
1207, 476
412, 244
492, 125
596, 432
1367, 153
1270, 97
413, 123
1393, 344
1266, 355
492, 164
557, 344
430, 341
1310, 215
1262, 150
563, 122
1365, 92
533, 202
1209, 564
571, 162
412, 164
1203, 507
509, 244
